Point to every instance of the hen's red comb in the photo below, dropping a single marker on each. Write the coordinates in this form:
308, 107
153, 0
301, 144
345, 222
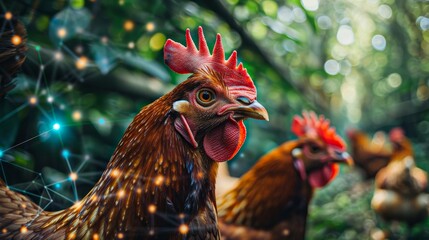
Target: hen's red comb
188, 59
311, 124
396, 135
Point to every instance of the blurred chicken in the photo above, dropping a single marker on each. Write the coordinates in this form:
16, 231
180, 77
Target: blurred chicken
224, 181
271, 200
400, 187
370, 155
159, 183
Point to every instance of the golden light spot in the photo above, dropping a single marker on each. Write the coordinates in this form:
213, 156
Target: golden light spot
95, 236
4, 230
151, 208
8, 15
78, 205
32, 100
81, 63
24, 206
286, 232
150, 26
183, 229
181, 216
128, 25
115, 173
58, 56
131, 45
159, 180
200, 175
77, 115
139, 190
73, 176
94, 198
121, 193
71, 236
62, 33
23, 229
120, 235
16, 40
157, 41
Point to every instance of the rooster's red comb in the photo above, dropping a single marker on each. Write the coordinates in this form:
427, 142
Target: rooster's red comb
188, 59
312, 124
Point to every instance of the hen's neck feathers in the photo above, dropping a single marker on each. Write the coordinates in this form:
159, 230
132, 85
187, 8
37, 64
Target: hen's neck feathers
154, 181
269, 193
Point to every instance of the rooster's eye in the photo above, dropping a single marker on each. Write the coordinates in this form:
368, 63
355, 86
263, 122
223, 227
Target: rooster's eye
315, 149
205, 97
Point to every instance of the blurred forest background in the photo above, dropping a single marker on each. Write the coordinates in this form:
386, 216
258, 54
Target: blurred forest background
91, 65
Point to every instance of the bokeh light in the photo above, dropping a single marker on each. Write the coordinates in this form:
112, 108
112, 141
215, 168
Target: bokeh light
56, 126
378, 42
345, 35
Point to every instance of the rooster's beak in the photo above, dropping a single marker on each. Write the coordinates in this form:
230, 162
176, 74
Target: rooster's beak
252, 110
341, 157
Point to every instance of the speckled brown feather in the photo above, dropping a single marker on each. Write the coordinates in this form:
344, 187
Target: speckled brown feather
286, 207
152, 166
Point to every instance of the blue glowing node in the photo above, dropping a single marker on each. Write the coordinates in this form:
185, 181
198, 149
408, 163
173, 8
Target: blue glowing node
65, 153
101, 121
1, 153
56, 126
57, 185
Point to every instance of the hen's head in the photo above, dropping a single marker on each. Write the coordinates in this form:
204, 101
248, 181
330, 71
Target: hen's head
215, 100
319, 149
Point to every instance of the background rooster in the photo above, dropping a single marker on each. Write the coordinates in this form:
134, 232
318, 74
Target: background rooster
400, 187
160, 180
370, 155
271, 200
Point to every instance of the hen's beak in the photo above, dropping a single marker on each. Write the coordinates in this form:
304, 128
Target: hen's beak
341, 157
252, 110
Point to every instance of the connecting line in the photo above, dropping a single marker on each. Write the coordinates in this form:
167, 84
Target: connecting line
27, 140
13, 112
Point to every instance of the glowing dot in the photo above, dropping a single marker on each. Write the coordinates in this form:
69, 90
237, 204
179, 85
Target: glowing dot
139, 190
182, 216
128, 25
56, 126
332, 67
1, 153
150, 26
104, 40
62, 33
131, 45
151, 232
378, 42
183, 229
81, 63
95, 236
33, 100
58, 56
121, 193
50, 99
73, 176
151, 208
77, 115
72, 236
8, 15
4, 230
120, 235
159, 180
101, 121
115, 173
16, 40
23, 229
65, 153
37, 48
57, 185
24, 206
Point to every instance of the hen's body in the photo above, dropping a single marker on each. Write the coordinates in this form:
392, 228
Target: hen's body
370, 155
153, 183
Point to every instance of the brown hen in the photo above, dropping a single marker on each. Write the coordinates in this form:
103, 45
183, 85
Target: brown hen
271, 200
159, 183
370, 155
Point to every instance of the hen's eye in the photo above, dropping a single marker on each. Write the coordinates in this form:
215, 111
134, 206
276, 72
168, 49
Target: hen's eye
315, 149
205, 97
